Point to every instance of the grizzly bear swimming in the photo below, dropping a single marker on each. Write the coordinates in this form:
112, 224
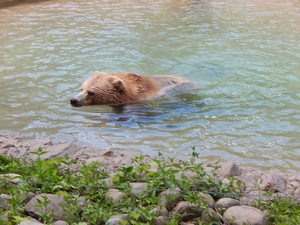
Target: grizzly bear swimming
123, 88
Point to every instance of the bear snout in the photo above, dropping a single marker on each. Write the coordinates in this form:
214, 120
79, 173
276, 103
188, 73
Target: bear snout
75, 102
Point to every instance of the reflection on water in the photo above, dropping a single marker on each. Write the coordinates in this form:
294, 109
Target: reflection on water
244, 56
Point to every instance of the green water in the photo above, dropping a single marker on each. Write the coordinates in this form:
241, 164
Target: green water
243, 55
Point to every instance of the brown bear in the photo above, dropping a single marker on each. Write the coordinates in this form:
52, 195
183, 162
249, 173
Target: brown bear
123, 88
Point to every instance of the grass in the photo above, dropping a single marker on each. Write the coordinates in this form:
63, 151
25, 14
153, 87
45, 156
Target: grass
168, 174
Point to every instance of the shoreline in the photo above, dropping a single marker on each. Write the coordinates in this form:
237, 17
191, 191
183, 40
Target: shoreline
281, 183
64, 184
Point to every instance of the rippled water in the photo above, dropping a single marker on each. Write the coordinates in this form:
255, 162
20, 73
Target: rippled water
244, 56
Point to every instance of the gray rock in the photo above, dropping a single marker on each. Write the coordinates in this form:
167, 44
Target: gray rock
27, 196
117, 220
251, 197
108, 181
11, 178
138, 188
4, 217
187, 210
206, 199
240, 215
229, 169
251, 179
4, 203
160, 211
55, 206
115, 195
209, 215
224, 203
60, 222
169, 198
82, 202
272, 182
30, 222
161, 220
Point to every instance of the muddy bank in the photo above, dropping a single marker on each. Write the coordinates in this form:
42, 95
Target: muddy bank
254, 181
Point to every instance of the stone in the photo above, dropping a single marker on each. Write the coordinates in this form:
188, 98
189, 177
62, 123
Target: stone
11, 178
169, 198
4, 217
55, 206
241, 215
4, 203
187, 210
115, 195
117, 220
272, 182
138, 188
224, 203
161, 220
108, 181
160, 211
60, 222
206, 199
30, 222
251, 179
251, 197
209, 215
29, 196
229, 169
82, 202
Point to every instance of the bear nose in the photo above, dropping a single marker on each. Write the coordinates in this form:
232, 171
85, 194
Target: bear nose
74, 101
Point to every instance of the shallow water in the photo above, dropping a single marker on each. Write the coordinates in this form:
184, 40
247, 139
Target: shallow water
243, 55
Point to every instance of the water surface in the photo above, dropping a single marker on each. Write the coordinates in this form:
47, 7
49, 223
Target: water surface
243, 55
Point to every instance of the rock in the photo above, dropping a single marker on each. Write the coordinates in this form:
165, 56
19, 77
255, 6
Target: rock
115, 195
251, 179
240, 215
138, 188
229, 169
82, 202
161, 220
160, 211
187, 210
60, 222
209, 215
169, 198
272, 182
11, 178
4, 203
30, 222
224, 203
108, 181
251, 197
206, 199
4, 217
55, 206
117, 220
27, 196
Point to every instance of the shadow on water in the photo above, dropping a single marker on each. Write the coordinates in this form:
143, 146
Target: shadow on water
159, 111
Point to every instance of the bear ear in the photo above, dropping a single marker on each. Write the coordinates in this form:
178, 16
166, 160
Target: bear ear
118, 84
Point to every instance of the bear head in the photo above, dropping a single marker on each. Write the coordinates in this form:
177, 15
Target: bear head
100, 89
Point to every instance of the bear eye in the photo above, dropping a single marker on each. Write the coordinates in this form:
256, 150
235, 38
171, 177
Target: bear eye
90, 93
